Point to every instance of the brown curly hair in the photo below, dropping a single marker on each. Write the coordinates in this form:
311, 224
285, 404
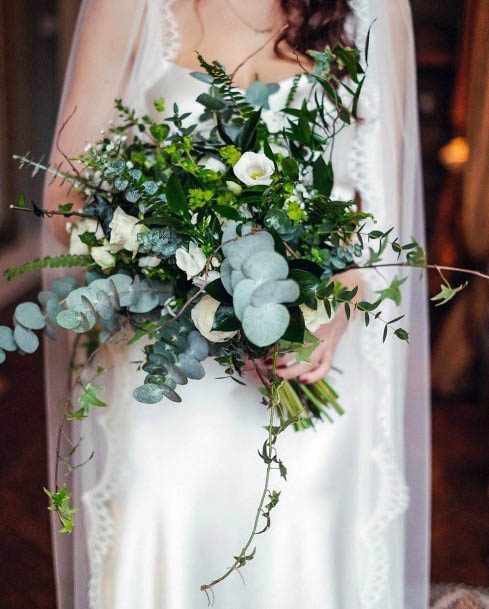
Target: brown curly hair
313, 24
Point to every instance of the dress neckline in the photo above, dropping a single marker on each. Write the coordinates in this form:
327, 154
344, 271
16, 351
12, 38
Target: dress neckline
282, 82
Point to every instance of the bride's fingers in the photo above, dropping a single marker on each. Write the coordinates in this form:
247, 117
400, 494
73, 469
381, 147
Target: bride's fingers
317, 373
292, 372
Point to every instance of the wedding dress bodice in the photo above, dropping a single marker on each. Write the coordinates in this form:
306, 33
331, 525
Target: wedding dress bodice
178, 86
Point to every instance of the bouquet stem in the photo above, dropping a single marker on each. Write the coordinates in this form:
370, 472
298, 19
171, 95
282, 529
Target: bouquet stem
305, 403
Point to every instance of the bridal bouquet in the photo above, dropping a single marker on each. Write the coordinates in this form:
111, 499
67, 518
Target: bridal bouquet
214, 238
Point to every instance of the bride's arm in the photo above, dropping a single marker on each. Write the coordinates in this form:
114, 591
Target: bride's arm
100, 61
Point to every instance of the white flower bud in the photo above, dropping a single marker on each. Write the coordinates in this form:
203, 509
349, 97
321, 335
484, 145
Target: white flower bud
102, 256
235, 188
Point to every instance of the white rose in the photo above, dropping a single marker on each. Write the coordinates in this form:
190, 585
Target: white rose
210, 162
124, 232
314, 319
201, 280
192, 261
85, 225
102, 256
254, 168
149, 261
203, 317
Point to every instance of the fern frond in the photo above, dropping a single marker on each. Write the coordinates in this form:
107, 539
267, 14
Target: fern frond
223, 83
63, 261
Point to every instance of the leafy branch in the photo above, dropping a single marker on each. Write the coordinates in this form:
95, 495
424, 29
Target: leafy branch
270, 457
52, 262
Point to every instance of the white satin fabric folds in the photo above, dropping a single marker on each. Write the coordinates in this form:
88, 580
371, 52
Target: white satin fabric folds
169, 496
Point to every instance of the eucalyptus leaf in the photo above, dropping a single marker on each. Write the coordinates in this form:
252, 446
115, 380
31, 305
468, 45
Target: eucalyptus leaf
26, 340
197, 345
226, 272
44, 296
74, 299
148, 394
7, 342
88, 318
275, 291
265, 265
170, 393
63, 286
236, 277
211, 103
146, 301
30, 316
265, 325
121, 184
123, 284
202, 76
150, 187
53, 307
191, 366
69, 319
242, 296
104, 305
258, 93
176, 375
132, 195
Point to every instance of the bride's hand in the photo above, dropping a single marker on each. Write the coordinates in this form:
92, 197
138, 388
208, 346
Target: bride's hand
321, 359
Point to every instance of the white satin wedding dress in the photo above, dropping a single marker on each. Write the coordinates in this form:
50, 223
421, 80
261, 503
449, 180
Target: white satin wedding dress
170, 496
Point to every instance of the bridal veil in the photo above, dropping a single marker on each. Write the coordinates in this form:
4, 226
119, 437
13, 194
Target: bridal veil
120, 49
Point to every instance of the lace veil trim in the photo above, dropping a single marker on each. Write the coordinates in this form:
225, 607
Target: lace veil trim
393, 496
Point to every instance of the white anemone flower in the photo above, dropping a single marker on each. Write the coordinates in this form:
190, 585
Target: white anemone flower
203, 317
192, 261
124, 232
254, 168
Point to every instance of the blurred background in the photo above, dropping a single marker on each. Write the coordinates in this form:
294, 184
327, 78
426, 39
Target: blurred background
453, 74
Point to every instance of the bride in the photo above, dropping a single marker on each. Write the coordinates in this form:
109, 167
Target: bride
167, 499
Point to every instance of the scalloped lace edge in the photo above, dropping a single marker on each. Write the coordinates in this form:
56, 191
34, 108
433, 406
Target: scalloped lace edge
393, 498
